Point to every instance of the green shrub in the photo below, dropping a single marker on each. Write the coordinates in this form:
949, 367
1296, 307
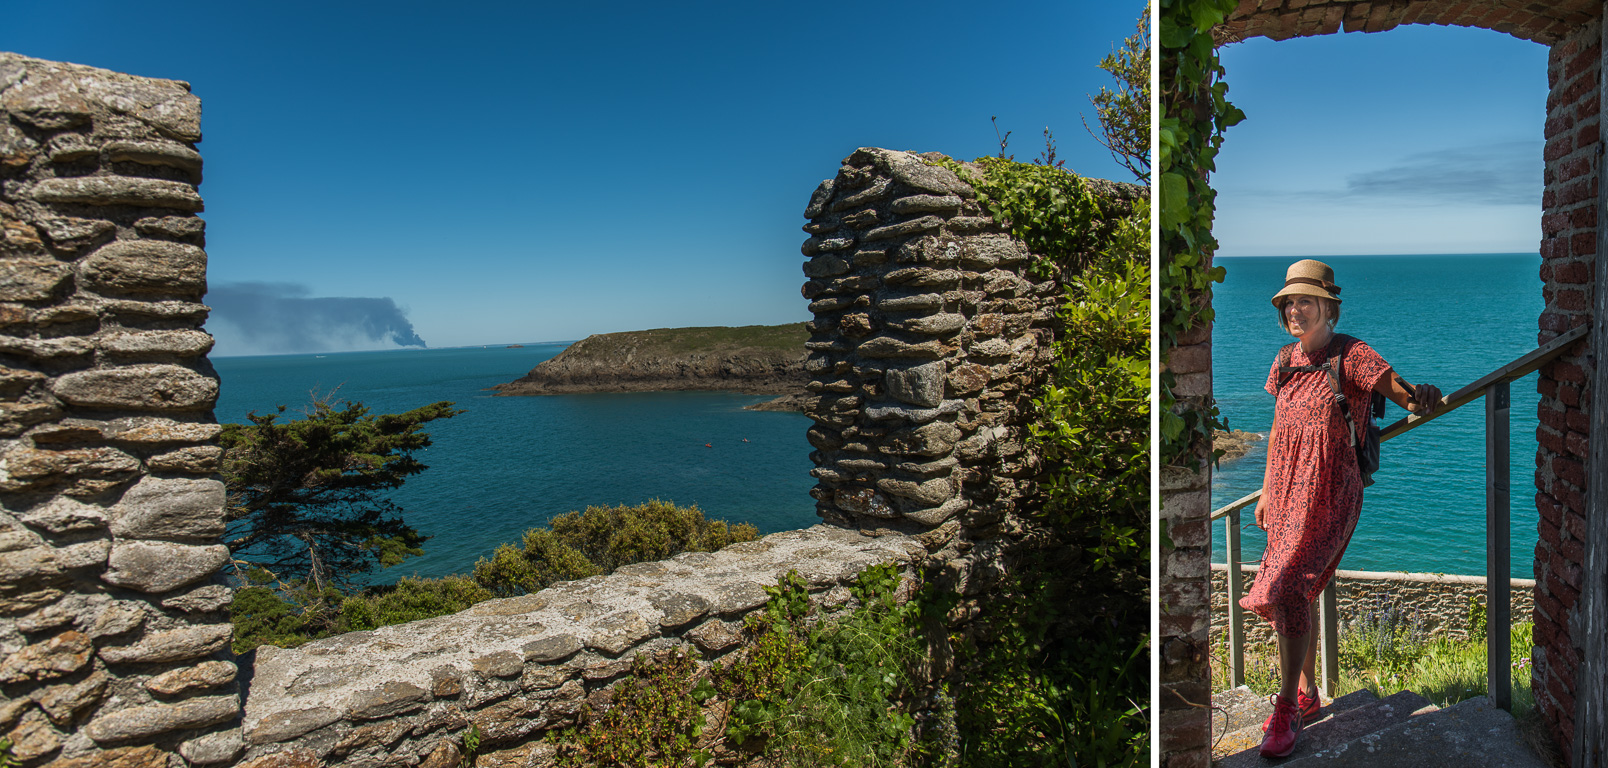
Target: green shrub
600, 539
827, 692
653, 719
410, 599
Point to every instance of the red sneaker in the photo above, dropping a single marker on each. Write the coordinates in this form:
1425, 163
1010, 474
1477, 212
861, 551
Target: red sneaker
1311, 708
1282, 728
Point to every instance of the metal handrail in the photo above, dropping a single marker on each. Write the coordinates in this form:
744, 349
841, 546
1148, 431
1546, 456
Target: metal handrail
1494, 387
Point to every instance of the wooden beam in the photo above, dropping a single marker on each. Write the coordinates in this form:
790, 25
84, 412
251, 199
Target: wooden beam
1589, 625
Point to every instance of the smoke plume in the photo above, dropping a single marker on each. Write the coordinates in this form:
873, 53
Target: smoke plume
271, 318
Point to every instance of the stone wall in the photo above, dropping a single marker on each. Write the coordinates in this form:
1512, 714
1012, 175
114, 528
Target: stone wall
930, 336
518, 667
113, 636
1568, 255
1440, 602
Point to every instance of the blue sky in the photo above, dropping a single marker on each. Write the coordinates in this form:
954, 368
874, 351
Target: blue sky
505, 172
1417, 140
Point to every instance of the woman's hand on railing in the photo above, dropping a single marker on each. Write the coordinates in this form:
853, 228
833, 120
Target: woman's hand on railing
1427, 397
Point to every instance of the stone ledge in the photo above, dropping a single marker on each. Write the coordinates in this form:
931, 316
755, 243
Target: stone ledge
494, 649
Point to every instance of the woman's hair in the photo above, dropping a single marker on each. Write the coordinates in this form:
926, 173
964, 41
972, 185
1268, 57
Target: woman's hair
1330, 308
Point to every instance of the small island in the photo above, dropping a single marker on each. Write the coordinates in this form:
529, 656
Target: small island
754, 359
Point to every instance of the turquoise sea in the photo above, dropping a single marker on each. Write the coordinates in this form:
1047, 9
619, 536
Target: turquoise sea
509, 463
1445, 320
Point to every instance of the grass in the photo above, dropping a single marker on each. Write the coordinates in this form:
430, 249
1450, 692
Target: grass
1386, 658
789, 338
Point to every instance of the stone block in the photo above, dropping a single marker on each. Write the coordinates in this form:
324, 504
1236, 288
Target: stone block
145, 756
387, 700
883, 347
118, 190
138, 387
155, 153
205, 599
941, 514
737, 597
500, 664
864, 501
152, 430
155, 566
213, 748
924, 203
116, 618
192, 459
207, 674
170, 508
932, 439
942, 324
147, 721
63, 703
678, 608
918, 385
930, 493
31, 279
904, 228
61, 655
551, 649
286, 725
65, 515
143, 266
148, 343
173, 645
33, 737
915, 303
290, 758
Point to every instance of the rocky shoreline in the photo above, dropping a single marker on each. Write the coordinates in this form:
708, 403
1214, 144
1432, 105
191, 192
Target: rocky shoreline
756, 359
1234, 443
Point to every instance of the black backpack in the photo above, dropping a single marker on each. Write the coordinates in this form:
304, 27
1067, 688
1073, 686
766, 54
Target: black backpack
1367, 449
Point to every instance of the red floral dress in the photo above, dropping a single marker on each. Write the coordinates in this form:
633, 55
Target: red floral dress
1314, 489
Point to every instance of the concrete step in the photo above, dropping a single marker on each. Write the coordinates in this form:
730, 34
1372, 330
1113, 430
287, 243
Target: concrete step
1469, 734
1351, 717
1240, 708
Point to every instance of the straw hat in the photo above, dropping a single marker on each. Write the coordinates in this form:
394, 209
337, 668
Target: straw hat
1308, 277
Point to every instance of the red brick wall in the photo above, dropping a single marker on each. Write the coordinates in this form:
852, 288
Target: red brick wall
1568, 252
1185, 591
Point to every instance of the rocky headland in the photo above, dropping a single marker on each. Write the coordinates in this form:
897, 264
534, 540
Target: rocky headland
755, 359
1234, 443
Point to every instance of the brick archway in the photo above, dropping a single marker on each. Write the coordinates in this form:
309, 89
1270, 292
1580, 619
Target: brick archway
1569, 618
1543, 22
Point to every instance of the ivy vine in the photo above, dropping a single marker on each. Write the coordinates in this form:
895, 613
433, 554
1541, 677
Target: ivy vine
1195, 112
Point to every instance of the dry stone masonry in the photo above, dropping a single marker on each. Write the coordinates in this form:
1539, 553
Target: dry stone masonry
113, 635
931, 334
515, 668
1434, 603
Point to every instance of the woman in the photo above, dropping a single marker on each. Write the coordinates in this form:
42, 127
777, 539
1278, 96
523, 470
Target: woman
1312, 489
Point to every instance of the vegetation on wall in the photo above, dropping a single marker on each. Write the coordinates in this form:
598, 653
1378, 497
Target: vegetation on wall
1195, 112
808, 691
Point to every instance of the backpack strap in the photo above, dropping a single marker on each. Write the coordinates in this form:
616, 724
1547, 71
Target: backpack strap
1337, 352
1285, 369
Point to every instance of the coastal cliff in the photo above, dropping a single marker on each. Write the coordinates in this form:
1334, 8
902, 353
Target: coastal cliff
757, 359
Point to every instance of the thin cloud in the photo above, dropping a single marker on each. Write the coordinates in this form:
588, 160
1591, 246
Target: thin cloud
1508, 173
1494, 174
272, 318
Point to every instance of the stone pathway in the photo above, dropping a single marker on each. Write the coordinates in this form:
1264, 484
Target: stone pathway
1361, 729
